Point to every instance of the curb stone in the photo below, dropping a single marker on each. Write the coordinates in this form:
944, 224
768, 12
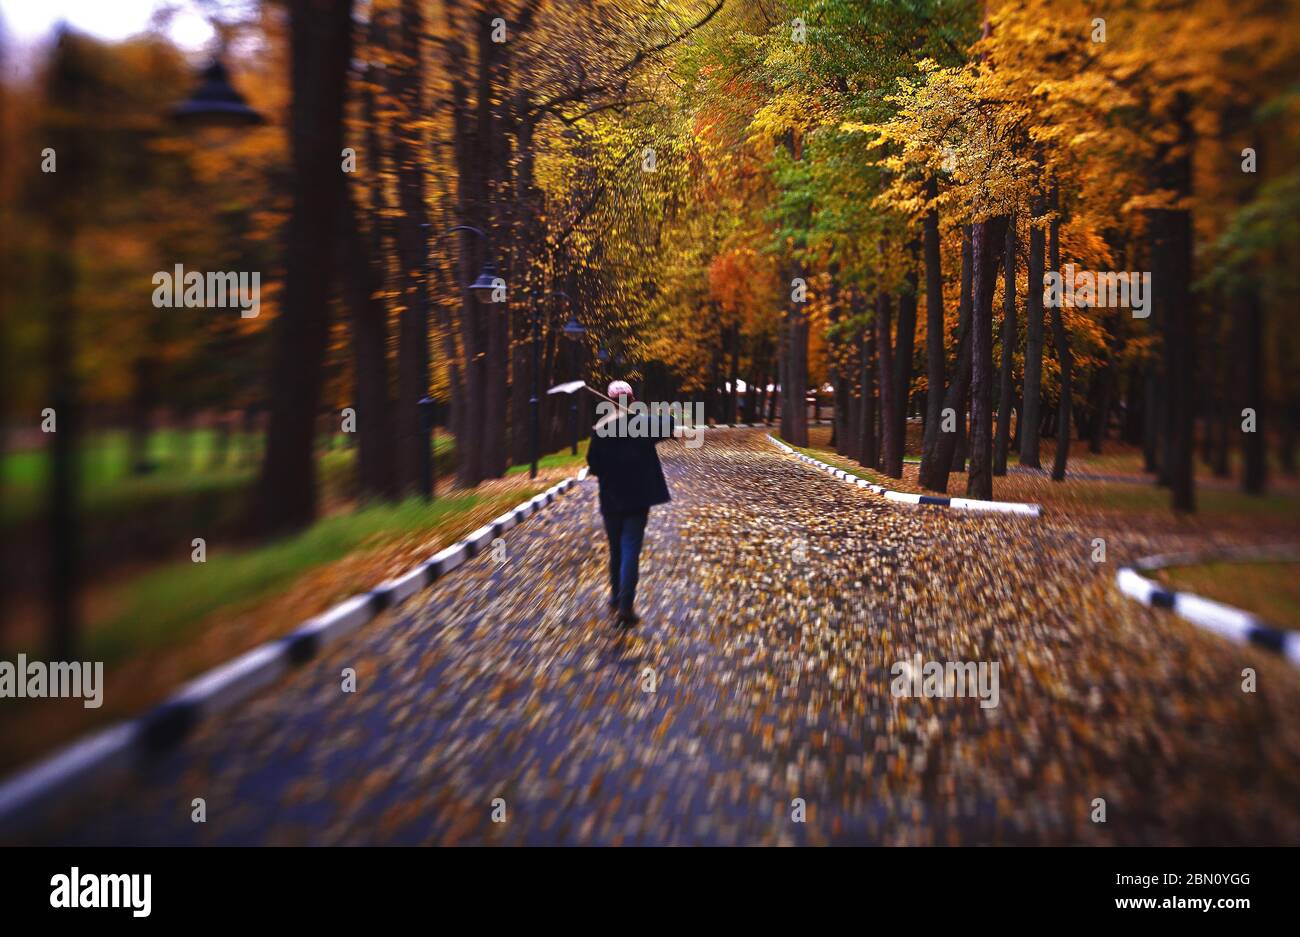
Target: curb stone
112, 753
1232, 623
760, 425
1224, 620
907, 497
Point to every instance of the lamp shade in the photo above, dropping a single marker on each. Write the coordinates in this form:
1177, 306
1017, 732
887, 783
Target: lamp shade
216, 103
573, 329
485, 283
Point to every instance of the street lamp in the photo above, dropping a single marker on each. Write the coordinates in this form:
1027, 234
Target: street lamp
614, 361
534, 402
482, 289
574, 332
428, 411
573, 329
486, 282
215, 102
488, 279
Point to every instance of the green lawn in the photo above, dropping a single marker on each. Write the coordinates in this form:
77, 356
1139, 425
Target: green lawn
157, 606
182, 462
105, 457
561, 459
154, 617
1077, 494
832, 458
1210, 502
127, 518
154, 513
1268, 589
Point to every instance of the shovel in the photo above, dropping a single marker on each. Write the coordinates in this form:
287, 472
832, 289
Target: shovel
572, 387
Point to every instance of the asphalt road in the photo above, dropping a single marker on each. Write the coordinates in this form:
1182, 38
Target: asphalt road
776, 601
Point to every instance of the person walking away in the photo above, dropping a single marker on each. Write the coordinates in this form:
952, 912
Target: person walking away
631, 482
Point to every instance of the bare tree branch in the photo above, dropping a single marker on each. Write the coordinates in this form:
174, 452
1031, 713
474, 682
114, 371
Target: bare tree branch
583, 90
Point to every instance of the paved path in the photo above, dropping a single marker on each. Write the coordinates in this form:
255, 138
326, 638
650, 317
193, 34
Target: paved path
776, 599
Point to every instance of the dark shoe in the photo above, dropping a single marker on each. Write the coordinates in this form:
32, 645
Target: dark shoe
627, 618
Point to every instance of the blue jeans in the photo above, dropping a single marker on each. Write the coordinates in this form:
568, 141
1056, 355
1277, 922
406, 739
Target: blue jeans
625, 532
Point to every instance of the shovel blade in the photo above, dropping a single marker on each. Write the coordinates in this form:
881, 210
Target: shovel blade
568, 388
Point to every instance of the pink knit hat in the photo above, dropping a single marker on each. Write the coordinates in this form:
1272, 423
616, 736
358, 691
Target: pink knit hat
620, 389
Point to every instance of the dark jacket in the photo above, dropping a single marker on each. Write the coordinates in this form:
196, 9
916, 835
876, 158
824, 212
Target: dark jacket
631, 478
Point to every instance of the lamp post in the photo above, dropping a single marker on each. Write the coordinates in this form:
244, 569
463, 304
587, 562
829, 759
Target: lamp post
213, 103
612, 362
486, 281
534, 402
428, 409
482, 288
574, 332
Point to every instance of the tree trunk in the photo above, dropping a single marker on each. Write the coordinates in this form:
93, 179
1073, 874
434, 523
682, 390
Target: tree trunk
61, 195
1063, 355
321, 44
364, 277
733, 373
1221, 424
903, 353
712, 400
936, 462
1009, 341
1134, 404
753, 402
988, 244
473, 140
1254, 476
794, 415
1152, 410
934, 350
963, 407
412, 250
891, 460
852, 381
1289, 408
1287, 440
868, 447
495, 155
1171, 271
835, 355
962, 449
1105, 386
1014, 445
362, 292
527, 286
1032, 413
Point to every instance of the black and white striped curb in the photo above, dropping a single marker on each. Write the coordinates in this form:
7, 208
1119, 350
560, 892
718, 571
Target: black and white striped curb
1231, 623
113, 752
761, 425
907, 497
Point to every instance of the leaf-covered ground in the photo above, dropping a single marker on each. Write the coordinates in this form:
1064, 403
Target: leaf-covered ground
775, 599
